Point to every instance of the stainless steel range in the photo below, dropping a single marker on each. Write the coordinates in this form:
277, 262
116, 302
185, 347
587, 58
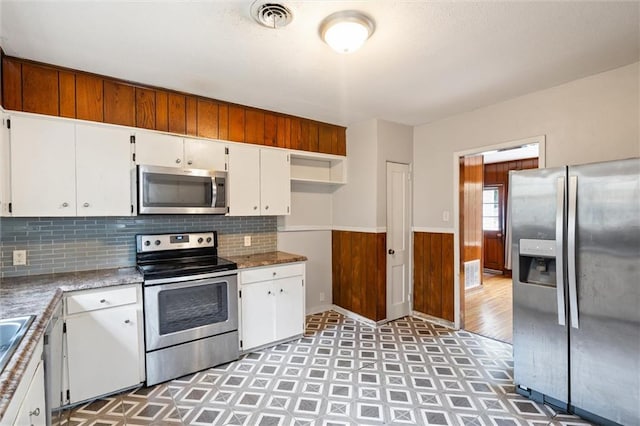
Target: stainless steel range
190, 304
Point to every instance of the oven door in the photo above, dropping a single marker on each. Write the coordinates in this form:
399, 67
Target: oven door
181, 312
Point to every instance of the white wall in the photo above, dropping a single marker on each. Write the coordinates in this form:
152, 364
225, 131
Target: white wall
395, 143
590, 119
316, 245
354, 204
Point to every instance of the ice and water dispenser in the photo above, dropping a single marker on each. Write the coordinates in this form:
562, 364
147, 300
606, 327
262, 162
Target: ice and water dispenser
538, 262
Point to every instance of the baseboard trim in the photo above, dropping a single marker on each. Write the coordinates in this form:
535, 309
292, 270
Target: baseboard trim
434, 320
347, 313
319, 309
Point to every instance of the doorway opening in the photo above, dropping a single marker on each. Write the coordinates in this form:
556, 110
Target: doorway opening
484, 246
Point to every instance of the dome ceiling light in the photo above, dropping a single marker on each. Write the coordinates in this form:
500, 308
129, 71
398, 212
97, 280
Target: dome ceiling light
346, 31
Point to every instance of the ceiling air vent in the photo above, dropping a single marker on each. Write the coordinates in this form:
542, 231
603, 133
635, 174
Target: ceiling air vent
272, 15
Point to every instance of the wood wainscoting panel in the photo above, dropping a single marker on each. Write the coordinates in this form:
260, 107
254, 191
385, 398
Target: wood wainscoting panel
52, 90
433, 274
177, 108
119, 103
207, 119
359, 273
89, 98
11, 84
39, 89
67, 93
145, 108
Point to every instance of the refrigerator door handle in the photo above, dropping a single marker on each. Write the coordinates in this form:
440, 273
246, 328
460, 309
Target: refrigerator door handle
560, 196
571, 250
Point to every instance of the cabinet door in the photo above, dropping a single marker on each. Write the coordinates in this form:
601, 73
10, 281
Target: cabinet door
103, 352
258, 314
275, 184
156, 149
33, 409
244, 181
289, 307
103, 171
206, 155
43, 171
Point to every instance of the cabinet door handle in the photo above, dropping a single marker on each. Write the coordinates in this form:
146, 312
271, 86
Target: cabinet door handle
103, 300
266, 207
274, 274
255, 207
281, 291
269, 292
189, 162
392, 251
85, 205
35, 412
178, 161
65, 204
127, 321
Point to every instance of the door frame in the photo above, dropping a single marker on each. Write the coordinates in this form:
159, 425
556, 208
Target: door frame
409, 232
457, 290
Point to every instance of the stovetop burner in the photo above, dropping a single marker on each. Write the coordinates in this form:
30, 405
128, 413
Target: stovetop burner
179, 255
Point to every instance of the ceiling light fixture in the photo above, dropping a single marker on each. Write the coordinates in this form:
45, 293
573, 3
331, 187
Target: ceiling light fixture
346, 31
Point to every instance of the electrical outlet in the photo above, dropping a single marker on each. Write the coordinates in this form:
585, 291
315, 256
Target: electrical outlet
321, 297
247, 240
19, 257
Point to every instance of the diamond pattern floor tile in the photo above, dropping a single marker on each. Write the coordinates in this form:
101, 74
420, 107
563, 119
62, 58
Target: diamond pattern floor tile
407, 372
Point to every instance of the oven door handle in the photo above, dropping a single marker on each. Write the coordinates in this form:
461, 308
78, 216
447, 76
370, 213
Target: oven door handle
201, 277
194, 283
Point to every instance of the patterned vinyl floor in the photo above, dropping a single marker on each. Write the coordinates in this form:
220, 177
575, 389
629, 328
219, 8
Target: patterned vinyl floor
408, 372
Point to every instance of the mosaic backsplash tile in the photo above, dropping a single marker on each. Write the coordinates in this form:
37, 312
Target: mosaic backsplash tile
88, 243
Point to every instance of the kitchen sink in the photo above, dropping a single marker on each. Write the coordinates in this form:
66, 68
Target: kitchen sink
12, 330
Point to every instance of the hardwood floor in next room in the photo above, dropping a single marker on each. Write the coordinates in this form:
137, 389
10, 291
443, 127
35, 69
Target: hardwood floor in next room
489, 308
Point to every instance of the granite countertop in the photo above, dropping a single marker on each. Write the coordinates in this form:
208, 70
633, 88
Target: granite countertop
265, 259
40, 295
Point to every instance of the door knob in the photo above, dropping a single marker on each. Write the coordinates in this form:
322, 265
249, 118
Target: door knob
392, 251
499, 234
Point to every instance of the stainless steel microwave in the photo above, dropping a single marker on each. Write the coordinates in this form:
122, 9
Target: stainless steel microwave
169, 190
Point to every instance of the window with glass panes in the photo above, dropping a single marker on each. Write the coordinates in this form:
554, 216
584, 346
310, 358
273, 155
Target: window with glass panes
491, 209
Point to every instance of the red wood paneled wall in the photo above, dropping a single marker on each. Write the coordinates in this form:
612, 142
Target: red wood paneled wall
46, 89
433, 274
359, 273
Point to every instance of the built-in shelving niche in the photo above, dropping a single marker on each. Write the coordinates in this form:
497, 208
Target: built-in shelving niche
318, 169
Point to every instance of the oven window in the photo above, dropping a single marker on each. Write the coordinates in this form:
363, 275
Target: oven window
161, 190
190, 307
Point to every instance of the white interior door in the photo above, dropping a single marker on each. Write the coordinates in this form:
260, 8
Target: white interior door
398, 236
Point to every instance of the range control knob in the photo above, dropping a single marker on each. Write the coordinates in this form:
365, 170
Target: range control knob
208, 239
200, 240
157, 242
147, 243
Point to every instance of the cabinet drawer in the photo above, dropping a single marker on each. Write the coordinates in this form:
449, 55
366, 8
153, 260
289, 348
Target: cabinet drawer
271, 273
91, 300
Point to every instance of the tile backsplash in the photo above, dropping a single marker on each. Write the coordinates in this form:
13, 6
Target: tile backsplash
88, 243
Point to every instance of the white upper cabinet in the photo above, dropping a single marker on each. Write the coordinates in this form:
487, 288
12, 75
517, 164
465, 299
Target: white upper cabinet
103, 171
157, 149
206, 155
59, 168
43, 167
244, 181
275, 187
258, 181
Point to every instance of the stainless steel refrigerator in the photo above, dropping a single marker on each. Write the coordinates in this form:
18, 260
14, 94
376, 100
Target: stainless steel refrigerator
576, 288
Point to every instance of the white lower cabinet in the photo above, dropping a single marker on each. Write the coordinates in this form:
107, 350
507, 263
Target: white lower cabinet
33, 410
104, 341
271, 304
27, 406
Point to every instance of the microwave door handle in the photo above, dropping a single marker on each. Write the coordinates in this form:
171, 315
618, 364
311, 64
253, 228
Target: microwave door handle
214, 192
